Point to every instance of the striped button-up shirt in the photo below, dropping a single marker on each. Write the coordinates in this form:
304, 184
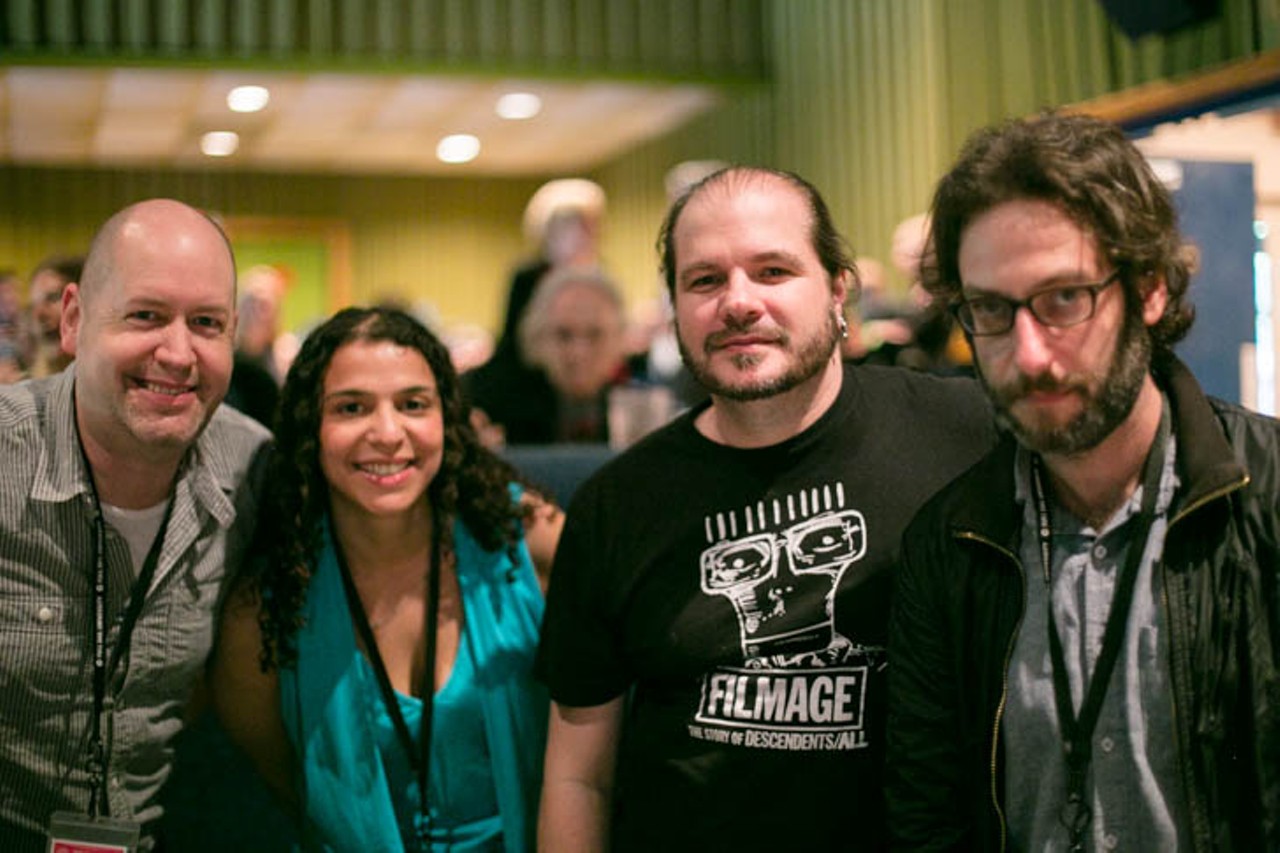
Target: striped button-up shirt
46, 642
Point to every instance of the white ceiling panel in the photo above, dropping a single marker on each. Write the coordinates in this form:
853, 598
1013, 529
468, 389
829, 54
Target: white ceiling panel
421, 103
137, 136
138, 90
344, 123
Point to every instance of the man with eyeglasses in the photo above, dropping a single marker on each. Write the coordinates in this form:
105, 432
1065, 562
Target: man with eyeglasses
1084, 635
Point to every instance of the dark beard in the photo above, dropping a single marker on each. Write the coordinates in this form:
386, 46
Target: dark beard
810, 360
1101, 415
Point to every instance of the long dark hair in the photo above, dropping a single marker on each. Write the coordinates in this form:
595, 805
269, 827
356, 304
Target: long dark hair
472, 483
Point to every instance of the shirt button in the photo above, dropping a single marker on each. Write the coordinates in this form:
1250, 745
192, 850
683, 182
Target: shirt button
1110, 842
1100, 552
1107, 744
44, 615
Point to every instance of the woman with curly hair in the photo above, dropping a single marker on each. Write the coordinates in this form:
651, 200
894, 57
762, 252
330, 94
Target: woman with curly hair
376, 666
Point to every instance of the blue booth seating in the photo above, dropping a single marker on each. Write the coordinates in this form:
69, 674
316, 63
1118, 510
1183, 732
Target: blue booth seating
559, 468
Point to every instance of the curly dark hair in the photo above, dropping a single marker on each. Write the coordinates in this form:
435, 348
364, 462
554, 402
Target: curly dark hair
830, 245
472, 483
1088, 169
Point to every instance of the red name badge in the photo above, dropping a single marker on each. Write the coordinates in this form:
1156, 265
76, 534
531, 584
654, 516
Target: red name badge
76, 833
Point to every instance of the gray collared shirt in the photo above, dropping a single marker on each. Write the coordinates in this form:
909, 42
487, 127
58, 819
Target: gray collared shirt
46, 548
1133, 784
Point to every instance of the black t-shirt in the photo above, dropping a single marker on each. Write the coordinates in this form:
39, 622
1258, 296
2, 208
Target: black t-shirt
743, 597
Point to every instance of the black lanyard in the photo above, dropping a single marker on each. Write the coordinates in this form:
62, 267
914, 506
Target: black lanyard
1077, 732
101, 667
420, 759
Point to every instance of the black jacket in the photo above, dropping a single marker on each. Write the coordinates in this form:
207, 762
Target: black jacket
959, 598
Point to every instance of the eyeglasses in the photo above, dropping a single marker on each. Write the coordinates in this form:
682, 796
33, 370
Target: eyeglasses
1058, 307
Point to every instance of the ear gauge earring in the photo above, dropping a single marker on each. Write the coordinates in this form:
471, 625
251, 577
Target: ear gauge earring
842, 324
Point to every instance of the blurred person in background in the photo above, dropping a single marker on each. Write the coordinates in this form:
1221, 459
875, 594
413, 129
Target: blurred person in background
259, 337
563, 219
12, 328
10, 303
260, 361
253, 390
45, 355
878, 330
376, 667
938, 343
572, 335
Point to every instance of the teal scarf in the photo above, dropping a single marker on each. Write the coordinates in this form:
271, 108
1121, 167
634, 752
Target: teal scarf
329, 701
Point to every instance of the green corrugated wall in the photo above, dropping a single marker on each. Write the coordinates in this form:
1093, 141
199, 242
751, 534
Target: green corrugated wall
874, 97
650, 38
450, 241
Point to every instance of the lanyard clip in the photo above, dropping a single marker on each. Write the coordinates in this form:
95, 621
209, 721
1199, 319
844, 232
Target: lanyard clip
1076, 813
96, 764
422, 829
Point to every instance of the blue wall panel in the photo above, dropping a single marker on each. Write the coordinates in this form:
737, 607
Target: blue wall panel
1216, 203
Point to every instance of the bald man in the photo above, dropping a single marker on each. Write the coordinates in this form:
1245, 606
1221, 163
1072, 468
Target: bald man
126, 497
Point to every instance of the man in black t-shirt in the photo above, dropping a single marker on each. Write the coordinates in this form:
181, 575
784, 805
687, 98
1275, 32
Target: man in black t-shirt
716, 625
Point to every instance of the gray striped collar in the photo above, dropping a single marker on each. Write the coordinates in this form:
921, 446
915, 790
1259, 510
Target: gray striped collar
207, 472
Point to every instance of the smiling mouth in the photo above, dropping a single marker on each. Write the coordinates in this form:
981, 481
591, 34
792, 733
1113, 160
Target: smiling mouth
165, 390
383, 469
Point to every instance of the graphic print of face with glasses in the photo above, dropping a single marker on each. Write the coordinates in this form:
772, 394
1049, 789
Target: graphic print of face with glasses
788, 554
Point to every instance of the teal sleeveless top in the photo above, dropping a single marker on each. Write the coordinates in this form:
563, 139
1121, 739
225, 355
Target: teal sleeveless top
355, 785
464, 807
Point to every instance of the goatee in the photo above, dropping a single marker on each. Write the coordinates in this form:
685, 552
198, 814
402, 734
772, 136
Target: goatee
807, 362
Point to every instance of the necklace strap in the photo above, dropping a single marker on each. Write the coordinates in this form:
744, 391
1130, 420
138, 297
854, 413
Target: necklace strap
1077, 730
419, 756
104, 666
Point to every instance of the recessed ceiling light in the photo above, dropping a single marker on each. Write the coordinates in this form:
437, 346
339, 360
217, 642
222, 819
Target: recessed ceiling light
518, 105
458, 148
219, 143
247, 99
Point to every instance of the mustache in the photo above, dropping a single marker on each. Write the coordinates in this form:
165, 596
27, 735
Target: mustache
718, 340
1026, 385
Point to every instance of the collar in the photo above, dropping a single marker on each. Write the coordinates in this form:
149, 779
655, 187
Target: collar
988, 502
1168, 487
207, 472
1206, 463
60, 471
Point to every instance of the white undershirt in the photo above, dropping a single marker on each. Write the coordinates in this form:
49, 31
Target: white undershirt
138, 527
